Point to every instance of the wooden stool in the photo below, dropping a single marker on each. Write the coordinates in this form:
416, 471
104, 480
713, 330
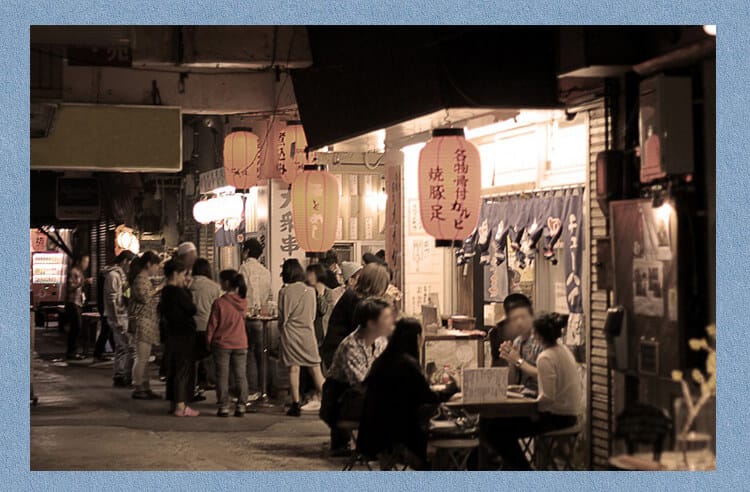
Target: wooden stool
557, 444
457, 451
351, 427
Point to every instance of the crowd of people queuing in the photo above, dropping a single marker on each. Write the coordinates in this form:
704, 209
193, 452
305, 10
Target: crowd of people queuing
348, 355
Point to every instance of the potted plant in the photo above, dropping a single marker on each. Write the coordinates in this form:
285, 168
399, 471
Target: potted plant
687, 438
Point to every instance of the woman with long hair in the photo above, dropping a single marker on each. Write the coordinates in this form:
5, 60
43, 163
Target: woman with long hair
297, 326
177, 310
398, 400
559, 395
373, 281
144, 300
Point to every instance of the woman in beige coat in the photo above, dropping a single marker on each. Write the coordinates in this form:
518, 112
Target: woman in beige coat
299, 347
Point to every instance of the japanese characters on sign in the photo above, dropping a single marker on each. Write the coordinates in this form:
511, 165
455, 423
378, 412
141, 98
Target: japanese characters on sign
449, 183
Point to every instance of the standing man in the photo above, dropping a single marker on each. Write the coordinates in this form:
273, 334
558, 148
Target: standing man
187, 253
116, 312
523, 352
74, 304
258, 281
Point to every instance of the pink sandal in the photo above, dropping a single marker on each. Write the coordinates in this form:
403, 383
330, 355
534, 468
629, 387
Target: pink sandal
186, 412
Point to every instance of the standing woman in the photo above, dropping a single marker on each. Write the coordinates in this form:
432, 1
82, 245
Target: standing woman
297, 326
177, 311
144, 315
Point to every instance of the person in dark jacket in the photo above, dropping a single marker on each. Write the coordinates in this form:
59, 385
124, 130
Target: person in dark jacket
398, 400
373, 282
177, 310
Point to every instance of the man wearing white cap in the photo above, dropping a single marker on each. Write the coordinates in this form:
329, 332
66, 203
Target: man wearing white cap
350, 272
187, 253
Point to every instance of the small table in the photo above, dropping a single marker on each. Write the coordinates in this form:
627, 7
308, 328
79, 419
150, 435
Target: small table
264, 401
512, 407
87, 320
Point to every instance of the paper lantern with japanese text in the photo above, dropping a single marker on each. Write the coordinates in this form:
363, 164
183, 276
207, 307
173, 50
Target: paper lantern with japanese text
241, 158
450, 183
315, 209
291, 150
268, 168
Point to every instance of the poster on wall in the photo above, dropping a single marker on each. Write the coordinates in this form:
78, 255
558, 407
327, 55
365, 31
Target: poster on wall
393, 217
648, 288
283, 243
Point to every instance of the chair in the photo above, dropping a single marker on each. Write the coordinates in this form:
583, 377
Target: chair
555, 450
351, 427
454, 453
641, 423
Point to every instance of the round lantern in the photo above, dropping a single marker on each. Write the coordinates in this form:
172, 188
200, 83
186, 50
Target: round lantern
228, 207
291, 150
450, 179
202, 212
315, 209
241, 158
268, 168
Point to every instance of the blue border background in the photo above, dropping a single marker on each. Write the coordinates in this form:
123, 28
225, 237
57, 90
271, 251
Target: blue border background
733, 267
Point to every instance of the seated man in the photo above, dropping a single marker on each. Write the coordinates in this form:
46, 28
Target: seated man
523, 352
342, 391
559, 398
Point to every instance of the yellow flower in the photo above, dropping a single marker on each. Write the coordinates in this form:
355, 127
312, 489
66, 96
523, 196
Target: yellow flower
698, 343
676, 375
698, 376
711, 330
711, 363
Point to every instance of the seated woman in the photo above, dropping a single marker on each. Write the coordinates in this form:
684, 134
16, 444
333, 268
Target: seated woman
398, 400
559, 396
342, 391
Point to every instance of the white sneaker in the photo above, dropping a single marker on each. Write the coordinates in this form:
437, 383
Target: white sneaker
311, 406
252, 397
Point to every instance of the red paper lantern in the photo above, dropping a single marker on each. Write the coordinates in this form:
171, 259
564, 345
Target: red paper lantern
268, 168
450, 181
241, 158
291, 150
315, 209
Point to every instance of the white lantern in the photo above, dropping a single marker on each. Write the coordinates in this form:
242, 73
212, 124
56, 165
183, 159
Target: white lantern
202, 212
228, 206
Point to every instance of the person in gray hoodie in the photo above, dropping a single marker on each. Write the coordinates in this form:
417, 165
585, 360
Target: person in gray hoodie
205, 291
116, 313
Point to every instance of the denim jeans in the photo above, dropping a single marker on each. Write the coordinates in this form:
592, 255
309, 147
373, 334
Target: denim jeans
224, 359
254, 331
124, 354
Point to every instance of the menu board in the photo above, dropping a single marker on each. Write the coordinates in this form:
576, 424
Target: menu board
485, 385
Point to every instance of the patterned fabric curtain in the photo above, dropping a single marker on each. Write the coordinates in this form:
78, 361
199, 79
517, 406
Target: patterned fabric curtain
546, 226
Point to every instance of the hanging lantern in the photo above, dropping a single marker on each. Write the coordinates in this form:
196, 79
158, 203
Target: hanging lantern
228, 207
291, 150
268, 168
315, 209
241, 158
450, 180
202, 212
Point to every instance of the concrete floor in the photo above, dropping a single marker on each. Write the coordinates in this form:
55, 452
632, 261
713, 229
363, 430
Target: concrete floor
83, 423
